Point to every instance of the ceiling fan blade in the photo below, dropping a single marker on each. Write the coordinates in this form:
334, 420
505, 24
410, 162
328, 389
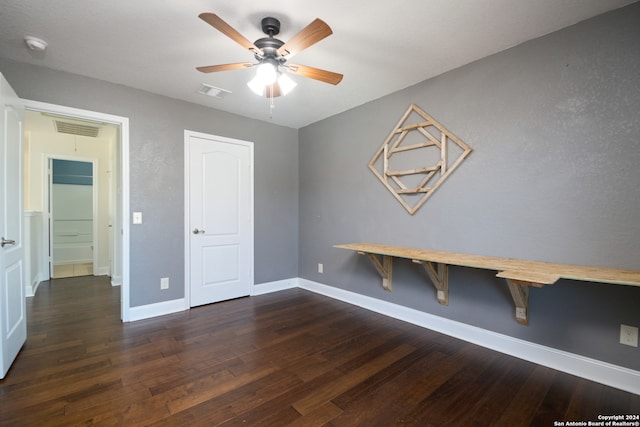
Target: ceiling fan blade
316, 73
224, 67
275, 87
216, 22
309, 35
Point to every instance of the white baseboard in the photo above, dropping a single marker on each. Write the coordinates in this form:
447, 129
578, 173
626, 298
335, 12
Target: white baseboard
30, 290
43, 277
101, 271
174, 306
116, 280
34, 285
279, 285
591, 369
157, 309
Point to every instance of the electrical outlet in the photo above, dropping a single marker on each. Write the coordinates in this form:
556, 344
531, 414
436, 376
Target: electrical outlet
320, 268
164, 283
629, 335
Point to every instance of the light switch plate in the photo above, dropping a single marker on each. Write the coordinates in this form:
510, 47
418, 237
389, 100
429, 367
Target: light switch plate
137, 217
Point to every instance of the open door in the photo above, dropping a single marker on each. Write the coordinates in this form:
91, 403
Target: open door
13, 320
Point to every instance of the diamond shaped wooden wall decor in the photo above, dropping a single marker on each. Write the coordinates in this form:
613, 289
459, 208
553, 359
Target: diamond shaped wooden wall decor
417, 157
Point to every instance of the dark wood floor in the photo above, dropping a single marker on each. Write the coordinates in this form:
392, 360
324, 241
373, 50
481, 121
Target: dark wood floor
288, 358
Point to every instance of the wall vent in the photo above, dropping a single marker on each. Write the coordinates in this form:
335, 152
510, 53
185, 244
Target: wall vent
77, 129
212, 91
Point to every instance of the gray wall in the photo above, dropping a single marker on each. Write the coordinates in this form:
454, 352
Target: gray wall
157, 127
554, 176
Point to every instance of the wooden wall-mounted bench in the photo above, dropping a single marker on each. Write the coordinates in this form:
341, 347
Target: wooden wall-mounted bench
519, 274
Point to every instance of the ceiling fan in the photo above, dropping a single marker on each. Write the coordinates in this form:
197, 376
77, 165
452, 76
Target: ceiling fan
272, 55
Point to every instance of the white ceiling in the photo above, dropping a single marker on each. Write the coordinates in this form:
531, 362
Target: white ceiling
380, 47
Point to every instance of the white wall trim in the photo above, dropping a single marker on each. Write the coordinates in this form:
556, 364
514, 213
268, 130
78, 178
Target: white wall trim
101, 271
279, 285
157, 309
44, 276
591, 369
33, 288
123, 222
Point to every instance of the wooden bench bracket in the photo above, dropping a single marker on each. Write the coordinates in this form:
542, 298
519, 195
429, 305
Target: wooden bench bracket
520, 294
439, 275
384, 268
519, 282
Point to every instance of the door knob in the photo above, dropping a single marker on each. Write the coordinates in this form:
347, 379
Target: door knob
196, 231
7, 242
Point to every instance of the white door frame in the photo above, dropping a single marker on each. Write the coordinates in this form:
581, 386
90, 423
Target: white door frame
187, 209
94, 203
123, 142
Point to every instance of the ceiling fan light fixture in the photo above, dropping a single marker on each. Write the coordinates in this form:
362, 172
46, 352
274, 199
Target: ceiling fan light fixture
286, 84
256, 85
267, 72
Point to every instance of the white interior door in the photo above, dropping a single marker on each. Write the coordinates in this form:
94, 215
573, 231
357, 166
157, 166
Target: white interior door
13, 322
219, 179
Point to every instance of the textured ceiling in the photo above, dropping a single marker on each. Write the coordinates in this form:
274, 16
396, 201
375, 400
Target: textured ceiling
380, 47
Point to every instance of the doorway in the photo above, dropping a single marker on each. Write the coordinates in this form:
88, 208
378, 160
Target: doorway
73, 218
117, 235
68, 178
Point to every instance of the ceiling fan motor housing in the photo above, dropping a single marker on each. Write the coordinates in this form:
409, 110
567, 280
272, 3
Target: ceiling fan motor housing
270, 45
270, 26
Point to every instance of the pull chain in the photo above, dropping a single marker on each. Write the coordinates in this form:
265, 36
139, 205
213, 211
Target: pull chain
271, 103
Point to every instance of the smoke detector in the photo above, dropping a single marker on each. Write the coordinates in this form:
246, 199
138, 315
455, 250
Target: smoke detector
35, 44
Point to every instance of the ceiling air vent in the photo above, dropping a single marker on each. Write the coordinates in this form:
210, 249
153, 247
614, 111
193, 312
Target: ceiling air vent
212, 91
77, 129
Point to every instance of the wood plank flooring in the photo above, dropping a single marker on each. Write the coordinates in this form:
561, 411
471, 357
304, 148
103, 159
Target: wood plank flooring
288, 358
